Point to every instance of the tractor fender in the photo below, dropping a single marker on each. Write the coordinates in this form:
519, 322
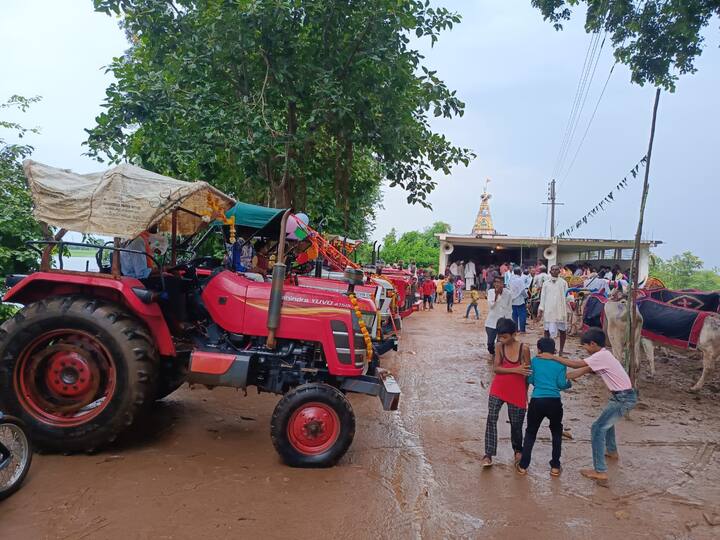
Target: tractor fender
41, 285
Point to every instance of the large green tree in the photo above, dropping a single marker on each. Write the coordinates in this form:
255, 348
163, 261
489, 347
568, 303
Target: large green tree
17, 224
304, 103
657, 39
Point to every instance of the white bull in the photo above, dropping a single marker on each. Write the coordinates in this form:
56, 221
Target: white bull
616, 314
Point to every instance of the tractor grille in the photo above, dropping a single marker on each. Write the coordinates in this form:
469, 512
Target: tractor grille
341, 337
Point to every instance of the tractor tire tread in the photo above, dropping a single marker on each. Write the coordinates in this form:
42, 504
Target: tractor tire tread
140, 358
283, 410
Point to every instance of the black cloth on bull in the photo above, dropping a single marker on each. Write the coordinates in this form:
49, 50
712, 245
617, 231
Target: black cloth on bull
592, 314
703, 301
671, 324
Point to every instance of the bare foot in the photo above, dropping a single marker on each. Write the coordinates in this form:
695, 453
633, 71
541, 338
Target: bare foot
593, 474
520, 470
486, 461
612, 455
555, 471
518, 457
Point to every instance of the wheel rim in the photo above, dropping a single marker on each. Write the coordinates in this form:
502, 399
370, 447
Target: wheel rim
15, 440
313, 428
65, 377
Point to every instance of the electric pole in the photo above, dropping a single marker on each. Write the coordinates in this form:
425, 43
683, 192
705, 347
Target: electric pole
553, 203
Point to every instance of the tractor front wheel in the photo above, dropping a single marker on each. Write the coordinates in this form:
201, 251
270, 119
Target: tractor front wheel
313, 425
75, 370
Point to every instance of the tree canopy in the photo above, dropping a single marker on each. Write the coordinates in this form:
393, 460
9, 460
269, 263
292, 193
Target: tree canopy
304, 103
419, 246
17, 224
685, 271
657, 39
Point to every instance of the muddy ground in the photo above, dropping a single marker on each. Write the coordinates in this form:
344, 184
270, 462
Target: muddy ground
201, 464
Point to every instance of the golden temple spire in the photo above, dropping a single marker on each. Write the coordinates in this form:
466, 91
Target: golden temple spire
483, 222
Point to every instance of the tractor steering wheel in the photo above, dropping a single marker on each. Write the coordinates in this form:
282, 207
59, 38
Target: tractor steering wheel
99, 258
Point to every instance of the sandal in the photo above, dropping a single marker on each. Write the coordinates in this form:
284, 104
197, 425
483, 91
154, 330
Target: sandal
486, 461
555, 471
520, 470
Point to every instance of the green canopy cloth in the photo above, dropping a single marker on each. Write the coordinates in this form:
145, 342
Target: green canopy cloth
252, 219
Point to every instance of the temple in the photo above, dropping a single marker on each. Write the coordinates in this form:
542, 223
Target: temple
483, 221
484, 246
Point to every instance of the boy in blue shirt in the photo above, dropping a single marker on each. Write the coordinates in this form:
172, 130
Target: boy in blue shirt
450, 293
548, 378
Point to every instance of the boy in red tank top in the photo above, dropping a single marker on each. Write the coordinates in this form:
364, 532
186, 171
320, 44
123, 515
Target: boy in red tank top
511, 366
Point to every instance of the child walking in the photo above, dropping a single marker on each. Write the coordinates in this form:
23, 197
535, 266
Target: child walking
439, 289
512, 360
474, 297
623, 398
449, 293
548, 379
428, 289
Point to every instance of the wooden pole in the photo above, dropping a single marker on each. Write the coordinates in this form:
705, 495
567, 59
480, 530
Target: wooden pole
635, 267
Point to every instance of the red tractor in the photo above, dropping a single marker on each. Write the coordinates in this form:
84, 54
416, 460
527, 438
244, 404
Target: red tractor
89, 350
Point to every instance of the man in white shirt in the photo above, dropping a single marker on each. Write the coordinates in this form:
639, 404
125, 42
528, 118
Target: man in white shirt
540, 278
597, 284
518, 293
499, 307
553, 306
469, 275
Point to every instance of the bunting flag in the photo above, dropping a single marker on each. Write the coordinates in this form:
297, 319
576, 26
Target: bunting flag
609, 198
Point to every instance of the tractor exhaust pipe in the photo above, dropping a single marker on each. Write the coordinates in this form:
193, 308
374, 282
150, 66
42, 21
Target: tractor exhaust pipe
278, 279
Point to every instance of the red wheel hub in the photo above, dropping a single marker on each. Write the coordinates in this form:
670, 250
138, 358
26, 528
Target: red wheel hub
68, 374
313, 428
65, 377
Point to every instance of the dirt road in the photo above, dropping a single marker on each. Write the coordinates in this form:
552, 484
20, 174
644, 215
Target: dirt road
201, 465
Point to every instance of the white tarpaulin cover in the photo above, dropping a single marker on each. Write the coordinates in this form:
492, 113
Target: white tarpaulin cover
122, 201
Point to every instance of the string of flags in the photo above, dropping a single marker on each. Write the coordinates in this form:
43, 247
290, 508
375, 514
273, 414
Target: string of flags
609, 198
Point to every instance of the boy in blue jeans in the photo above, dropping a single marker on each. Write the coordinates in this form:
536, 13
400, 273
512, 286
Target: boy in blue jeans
548, 378
623, 398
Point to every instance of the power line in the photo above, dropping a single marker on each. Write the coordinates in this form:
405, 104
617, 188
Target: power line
592, 56
587, 129
576, 100
582, 105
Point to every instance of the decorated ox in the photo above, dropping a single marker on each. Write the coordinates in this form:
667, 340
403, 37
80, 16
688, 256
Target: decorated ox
667, 324
615, 323
575, 307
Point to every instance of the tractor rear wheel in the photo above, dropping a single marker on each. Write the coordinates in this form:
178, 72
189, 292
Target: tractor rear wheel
76, 371
313, 425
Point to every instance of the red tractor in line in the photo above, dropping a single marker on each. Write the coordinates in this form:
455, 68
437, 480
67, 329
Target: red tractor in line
90, 350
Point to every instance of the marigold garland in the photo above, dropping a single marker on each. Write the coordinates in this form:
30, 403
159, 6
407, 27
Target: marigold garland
363, 327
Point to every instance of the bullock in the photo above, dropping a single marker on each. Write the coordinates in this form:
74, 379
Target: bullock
615, 323
575, 308
669, 325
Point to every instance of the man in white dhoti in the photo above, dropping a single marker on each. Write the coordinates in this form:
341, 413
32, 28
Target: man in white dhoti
553, 306
469, 275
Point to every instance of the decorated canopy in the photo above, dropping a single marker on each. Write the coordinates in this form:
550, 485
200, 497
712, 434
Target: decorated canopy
122, 201
250, 219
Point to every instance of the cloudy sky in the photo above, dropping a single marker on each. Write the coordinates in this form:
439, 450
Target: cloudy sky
518, 77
